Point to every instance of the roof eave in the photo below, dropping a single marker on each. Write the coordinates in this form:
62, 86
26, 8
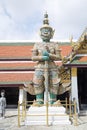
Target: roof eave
75, 65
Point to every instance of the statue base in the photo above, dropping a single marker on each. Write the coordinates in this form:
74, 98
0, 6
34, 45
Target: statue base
53, 119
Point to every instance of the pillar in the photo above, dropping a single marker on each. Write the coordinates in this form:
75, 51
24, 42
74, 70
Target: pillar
74, 87
22, 95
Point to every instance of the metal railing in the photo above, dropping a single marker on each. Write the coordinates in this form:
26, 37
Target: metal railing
71, 111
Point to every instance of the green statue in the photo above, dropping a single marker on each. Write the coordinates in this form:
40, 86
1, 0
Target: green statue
46, 51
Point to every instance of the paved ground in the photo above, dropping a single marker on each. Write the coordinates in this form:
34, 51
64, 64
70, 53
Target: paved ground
11, 123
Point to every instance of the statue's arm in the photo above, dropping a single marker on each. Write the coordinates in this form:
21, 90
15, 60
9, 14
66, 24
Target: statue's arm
38, 57
57, 54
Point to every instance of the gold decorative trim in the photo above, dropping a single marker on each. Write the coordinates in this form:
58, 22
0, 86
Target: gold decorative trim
74, 72
20, 87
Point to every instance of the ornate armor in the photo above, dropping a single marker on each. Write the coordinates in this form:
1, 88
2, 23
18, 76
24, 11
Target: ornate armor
39, 77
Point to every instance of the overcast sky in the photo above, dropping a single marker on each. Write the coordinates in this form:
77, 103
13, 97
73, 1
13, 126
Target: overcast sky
21, 19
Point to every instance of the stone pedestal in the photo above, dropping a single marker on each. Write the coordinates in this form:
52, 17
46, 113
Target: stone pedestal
56, 115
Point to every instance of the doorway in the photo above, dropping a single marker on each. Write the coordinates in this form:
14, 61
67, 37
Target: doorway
82, 88
11, 94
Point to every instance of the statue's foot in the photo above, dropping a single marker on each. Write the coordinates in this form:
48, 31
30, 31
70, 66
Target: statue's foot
52, 102
37, 103
57, 103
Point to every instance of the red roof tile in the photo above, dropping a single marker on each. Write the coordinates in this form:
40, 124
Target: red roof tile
83, 59
25, 51
15, 51
16, 77
14, 65
65, 50
22, 65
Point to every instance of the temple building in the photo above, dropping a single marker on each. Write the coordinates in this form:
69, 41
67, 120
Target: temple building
77, 62
17, 68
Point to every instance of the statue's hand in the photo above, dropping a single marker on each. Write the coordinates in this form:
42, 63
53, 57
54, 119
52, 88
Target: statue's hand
45, 58
45, 53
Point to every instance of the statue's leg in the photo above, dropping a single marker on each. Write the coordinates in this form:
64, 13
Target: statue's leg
39, 86
54, 85
39, 98
52, 98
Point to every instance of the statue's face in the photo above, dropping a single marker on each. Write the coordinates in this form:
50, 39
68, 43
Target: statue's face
46, 34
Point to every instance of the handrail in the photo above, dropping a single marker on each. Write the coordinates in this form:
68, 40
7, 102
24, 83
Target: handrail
71, 110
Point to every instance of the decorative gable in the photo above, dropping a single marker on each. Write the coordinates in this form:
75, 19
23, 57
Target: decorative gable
80, 47
78, 55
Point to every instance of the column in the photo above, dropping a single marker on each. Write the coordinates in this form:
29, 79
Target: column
74, 86
22, 94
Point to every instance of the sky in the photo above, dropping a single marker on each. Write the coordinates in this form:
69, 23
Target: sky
22, 19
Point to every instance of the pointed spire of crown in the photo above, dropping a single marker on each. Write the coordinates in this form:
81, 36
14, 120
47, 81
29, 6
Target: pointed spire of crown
46, 21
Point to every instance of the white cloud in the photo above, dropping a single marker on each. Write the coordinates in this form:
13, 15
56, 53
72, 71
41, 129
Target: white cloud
21, 19
20, 10
68, 17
